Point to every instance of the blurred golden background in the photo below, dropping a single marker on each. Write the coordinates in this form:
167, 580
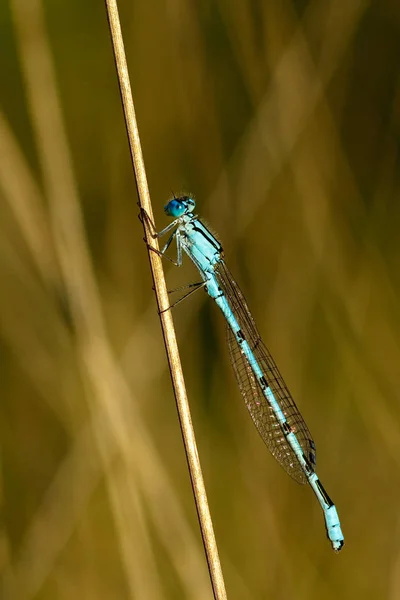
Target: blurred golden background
283, 118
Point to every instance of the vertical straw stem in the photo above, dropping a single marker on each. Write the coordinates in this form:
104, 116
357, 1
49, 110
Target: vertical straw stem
167, 325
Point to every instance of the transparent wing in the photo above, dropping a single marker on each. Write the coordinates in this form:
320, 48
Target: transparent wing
260, 411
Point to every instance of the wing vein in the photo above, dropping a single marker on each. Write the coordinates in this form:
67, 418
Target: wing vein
258, 406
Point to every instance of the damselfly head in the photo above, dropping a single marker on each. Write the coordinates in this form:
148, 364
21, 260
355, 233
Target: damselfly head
179, 206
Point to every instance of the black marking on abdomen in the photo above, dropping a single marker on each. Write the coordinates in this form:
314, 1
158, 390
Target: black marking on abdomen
323, 493
286, 428
312, 453
240, 336
263, 383
308, 465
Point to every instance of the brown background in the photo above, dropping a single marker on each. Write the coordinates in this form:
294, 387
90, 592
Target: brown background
283, 118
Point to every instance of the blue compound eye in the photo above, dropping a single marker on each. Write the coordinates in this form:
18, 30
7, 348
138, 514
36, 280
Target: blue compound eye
179, 206
174, 208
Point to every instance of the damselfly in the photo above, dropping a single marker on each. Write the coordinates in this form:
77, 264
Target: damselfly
265, 393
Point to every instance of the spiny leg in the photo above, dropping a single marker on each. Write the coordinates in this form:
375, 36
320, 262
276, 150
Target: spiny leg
195, 286
145, 218
162, 253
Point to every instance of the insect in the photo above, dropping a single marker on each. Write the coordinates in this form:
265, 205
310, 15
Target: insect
264, 391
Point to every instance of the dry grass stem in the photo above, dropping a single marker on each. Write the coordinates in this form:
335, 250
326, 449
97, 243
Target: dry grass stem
167, 325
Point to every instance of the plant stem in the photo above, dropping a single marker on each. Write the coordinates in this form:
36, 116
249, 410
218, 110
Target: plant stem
167, 325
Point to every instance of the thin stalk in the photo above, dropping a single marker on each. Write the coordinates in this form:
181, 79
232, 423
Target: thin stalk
167, 324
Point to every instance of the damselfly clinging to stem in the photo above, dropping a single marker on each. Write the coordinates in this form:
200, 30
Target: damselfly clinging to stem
265, 393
